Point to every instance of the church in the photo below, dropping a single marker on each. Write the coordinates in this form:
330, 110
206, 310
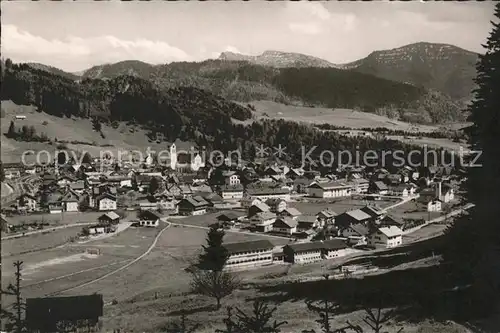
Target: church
185, 161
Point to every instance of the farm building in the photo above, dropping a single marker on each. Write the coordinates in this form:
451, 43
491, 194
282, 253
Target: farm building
193, 206
109, 218
149, 218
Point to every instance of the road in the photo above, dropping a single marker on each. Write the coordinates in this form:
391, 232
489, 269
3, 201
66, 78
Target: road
19, 186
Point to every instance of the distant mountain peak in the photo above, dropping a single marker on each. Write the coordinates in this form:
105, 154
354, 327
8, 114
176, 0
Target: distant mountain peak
278, 59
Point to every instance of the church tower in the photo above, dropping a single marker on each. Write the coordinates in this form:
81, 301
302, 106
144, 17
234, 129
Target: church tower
173, 157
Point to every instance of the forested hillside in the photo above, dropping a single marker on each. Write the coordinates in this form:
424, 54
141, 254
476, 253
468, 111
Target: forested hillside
185, 113
243, 81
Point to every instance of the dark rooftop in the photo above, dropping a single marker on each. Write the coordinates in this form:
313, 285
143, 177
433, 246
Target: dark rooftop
256, 245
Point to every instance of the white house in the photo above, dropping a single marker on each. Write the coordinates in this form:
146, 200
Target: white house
231, 192
106, 201
360, 185
329, 190
434, 206
276, 205
387, 236
149, 219
263, 221
285, 225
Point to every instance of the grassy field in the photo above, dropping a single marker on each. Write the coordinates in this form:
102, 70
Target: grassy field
338, 117
55, 219
432, 143
70, 129
37, 242
162, 272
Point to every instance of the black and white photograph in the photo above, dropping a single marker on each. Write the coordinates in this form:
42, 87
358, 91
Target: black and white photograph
250, 166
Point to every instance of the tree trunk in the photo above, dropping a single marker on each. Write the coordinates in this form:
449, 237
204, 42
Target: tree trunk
218, 303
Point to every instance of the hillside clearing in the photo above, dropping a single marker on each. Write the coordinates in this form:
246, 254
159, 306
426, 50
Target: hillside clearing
338, 117
77, 132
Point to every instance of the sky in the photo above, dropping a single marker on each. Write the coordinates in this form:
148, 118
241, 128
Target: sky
75, 35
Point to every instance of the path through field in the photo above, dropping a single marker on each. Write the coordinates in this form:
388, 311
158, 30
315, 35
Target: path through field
151, 247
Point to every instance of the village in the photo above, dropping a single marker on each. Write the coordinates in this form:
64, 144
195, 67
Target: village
323, 216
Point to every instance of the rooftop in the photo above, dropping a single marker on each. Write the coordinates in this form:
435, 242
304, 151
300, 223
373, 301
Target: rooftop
256, 245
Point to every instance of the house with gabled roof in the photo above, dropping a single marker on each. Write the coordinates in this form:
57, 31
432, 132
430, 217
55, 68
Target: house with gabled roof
334, 189
291, 212
285, 225
149, 218
231, 192
326, 216
307, 222
70, 201
374, 211
356, 216
378, 187
360, 185
193, 206
391, 236
258, 207
263, 221
109, 218
105, 201
356, 234
276, 205
228, 218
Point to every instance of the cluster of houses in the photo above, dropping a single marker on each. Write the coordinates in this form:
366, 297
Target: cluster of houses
262, 189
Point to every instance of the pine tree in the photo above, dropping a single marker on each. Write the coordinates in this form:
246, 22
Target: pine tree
153, 185
209, 279
11, 133
86, 158
214, 255
474, 240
